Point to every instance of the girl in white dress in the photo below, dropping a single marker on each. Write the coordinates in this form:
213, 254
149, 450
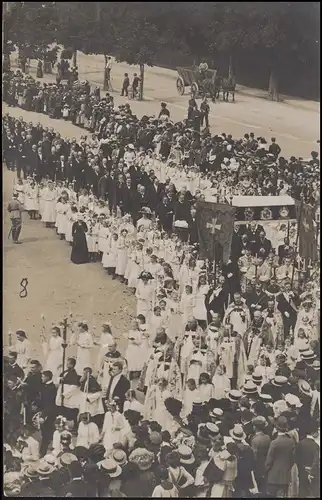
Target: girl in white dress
122, 249
49, 197
103, 235
221, 383
83, 199
87, 432
85, 345
186, 304
20, 187
144, 294
23, 349
31, 200
199, 310
61, 210
53, 352
110, 257
105, 341
71, 217
114, 427
135, 354
206, 388
92, 238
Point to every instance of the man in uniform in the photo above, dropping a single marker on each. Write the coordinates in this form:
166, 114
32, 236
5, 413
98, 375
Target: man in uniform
15, 209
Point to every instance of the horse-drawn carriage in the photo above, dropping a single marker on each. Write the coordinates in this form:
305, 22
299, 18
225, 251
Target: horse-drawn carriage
205, 82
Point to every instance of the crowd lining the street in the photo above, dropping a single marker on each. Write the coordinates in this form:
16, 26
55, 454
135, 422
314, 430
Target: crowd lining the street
226, 356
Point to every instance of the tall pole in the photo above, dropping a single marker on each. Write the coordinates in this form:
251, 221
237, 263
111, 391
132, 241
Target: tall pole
64, 345
297, 239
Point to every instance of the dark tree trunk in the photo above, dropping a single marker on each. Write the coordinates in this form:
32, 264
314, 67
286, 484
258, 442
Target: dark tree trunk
105, 84
75, 58
142, 81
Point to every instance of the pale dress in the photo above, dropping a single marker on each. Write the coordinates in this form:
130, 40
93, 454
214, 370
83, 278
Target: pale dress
221, 386
103, 239
61, 210
53, 352
70, 219
110, 257
23, 349
144, 294
121, 260
199, 310
135, 354
106, 340
84, 352
87, 434
49, 213
31, 199
92, 238
114, 428
41, 201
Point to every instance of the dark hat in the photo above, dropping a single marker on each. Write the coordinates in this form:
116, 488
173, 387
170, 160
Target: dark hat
281, 424
259, 422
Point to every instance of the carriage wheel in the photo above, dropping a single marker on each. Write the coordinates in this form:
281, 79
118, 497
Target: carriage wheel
194, 90
180, 86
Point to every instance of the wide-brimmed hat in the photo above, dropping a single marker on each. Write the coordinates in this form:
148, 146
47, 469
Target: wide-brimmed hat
216, 413
111, 467
316, 364
308, 355
250, 388
266, 398
293, 400
281, 424
67, 458
279, 381
213, 430
142, 457
44, 469
304, 387
119, 456
31, 471
257, 378
146, 210
186, 455
259, 421
234, 396
237, 433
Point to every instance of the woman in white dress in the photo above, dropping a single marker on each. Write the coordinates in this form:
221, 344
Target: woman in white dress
114, 427
71, 217
122, 249
61, 211
85, 345
110, 256
49, 197
87, 432
105, 341
53, 352
135, 353
23, 349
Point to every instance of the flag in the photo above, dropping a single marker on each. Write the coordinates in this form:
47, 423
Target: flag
306, 231
215, 223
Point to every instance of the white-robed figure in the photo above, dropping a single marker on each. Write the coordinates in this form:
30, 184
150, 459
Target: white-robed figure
23, 350
90, 398
87, 432
31, 201
61, 211
226, 352
145, 294
199, 310
221, 383
49, 197
136, 353
154, 402
187, 303
21, 189
53, 353
71, 217
122, 250
106, 340
114, 427
109, 259
238, 315
85, 343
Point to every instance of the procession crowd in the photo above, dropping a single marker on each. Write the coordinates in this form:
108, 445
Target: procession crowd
226, 356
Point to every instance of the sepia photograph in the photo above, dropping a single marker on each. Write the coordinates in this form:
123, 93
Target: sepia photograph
161, 249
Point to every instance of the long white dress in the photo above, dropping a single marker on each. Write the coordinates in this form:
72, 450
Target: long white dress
110, 255
70, 219
49, 213
121, 260
106, 340
221, 385
84, 351
135, 353
31, 198
61, 210
199, 310
87, 434
144, 294
53, 353
23, 349
114, 427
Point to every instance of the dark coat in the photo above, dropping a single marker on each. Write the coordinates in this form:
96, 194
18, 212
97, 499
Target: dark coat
48, 400
165, 215
119, 391
280, 459
260, 444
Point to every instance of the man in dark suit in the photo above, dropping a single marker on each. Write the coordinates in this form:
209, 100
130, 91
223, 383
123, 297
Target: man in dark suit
49, 409
257, 297
193, 227
280, 460
155, 192
217, 299
305, 452
284, 251
165, 214
182, 209
34, 163
103, 185
118, 385
13, 368
263, 246
61, 172
76, 487
260, 444
287, 305
252, 231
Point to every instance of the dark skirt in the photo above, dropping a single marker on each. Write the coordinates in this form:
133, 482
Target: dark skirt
79, 253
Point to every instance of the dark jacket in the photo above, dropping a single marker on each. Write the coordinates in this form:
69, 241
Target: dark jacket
119, 391
280, 459
260, 444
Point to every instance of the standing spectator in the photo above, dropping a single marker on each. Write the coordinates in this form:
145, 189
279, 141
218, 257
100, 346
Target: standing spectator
125, 86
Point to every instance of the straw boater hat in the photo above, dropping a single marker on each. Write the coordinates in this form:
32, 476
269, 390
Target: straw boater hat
31, 471
43, 469
186, 456
67, 458
293, 401
213, 430
250, 388
266, 398
234, 396
216, 413
119, 456
111, 467
237, 433
308, 355
279, 381
316, 365
305, 388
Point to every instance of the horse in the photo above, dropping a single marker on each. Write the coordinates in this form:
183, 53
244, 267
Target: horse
227, 86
